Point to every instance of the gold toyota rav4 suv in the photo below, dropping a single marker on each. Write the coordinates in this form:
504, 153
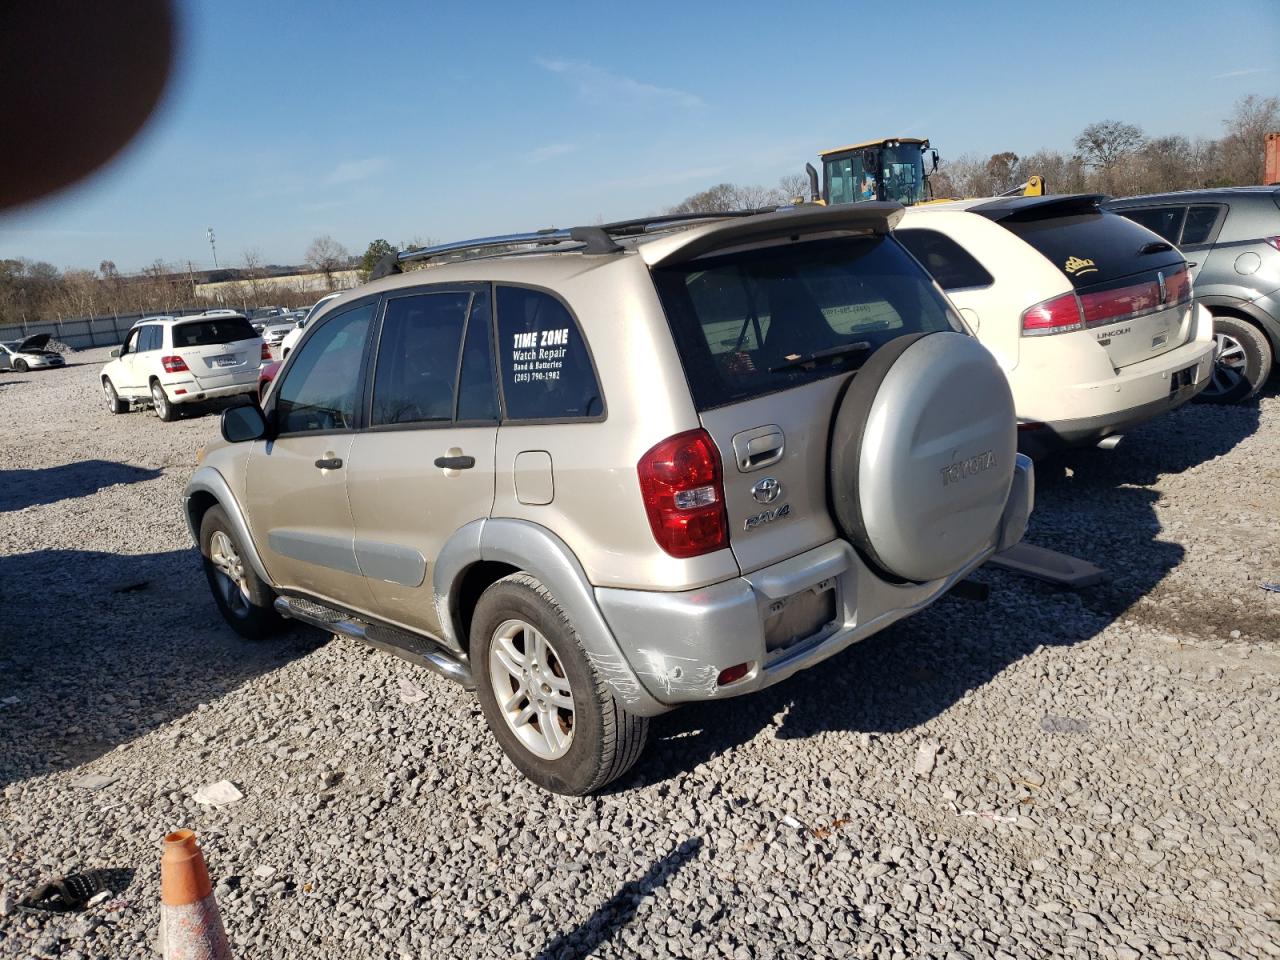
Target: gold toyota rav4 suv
614, 469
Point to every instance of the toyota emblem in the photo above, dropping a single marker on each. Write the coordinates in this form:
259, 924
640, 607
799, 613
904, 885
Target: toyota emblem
767, 490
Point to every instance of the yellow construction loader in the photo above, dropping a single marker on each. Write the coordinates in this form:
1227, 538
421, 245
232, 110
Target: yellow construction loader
892, 168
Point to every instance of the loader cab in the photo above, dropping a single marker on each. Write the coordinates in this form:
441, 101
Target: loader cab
892, 169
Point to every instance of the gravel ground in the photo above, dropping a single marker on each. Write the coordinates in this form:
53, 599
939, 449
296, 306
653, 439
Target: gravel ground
1105, 781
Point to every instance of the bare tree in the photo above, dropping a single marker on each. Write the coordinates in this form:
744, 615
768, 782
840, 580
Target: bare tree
794, 186
326, 255
1102, 144
1247, 128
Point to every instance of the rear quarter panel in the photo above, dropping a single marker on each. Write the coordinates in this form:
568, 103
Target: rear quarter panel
597, 508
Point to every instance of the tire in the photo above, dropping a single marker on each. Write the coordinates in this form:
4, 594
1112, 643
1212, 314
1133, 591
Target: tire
243, 598
114, 403
599, 740
164, 408
1241, 363
20, 366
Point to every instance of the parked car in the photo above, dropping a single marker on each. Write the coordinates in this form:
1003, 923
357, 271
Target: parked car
33, 353
276, 330
1232, 235
293, 336
168, 362
266, 376
708, 453
1089, 314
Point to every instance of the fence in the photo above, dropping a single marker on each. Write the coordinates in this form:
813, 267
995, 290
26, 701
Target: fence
87, 332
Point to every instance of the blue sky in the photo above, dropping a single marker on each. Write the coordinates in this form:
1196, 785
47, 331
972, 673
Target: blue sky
443, 121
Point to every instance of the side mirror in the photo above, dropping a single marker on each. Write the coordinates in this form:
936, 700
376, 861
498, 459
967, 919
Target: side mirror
243, 423
115, 352
934, 154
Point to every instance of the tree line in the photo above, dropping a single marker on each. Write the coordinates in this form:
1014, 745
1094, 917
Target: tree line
1110, 156
32, 291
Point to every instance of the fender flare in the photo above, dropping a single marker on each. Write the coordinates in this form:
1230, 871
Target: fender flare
207, 480
536, 550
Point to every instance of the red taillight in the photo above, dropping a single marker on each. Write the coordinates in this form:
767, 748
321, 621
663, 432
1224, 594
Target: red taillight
1274, 241
266, 352
174, 364
680, 481
1120, 302
1058, 315
1177, 286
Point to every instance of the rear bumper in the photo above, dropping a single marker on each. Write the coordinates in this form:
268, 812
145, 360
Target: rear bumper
1091, 412
194, 393
677, 644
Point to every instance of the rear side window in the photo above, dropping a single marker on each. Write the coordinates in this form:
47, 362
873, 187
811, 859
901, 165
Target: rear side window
756, 322
417, 364
951, 264
202, 333
321, 385
1166, 221
1200, 221
546, 367
1092, 248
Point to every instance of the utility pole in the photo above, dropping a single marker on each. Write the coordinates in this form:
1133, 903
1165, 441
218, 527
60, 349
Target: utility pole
213, 247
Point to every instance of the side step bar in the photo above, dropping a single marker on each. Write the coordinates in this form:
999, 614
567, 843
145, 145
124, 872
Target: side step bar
413, 647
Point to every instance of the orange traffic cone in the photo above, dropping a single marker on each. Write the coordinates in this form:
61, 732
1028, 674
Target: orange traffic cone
190, 926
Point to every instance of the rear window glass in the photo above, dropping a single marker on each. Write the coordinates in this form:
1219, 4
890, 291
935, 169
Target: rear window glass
1093, 248
951, 265
546, 366
1200, 221
756, 322
200, 333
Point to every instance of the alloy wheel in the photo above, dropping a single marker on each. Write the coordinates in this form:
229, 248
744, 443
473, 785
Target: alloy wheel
160, 400
229, 573
531, 689
1229, 361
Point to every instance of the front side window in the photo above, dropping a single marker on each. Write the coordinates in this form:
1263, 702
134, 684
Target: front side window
417, 364
321, 388
546, 366
848, 181
951, 264
759, 321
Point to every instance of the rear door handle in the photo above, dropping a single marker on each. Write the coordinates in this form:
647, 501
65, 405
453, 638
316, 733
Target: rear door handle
455, 463
329, 463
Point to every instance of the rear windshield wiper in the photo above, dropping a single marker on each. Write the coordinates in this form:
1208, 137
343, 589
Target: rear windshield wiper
800, 360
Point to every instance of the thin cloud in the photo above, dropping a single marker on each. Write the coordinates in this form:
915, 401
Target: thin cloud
550, 152
354, 170
598, 85
1247, 72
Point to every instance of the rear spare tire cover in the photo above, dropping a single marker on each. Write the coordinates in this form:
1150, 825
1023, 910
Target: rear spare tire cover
922, 455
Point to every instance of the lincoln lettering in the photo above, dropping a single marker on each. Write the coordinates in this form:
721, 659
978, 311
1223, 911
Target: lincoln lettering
968, 468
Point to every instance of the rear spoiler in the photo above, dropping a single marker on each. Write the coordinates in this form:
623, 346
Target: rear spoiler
870, 216
1022, 209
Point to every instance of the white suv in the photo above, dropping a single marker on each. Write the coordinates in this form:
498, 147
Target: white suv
1090, 315
168, 361
293, 336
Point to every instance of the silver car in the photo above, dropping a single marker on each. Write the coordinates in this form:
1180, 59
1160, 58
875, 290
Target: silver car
33, 353
616, 469
1232, 237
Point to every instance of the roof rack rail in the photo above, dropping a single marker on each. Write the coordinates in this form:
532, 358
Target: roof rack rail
589, 239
